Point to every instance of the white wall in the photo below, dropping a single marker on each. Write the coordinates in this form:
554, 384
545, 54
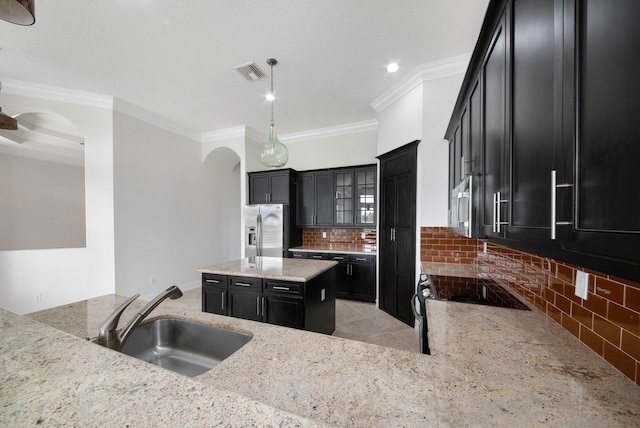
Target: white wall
174, 212
31, 280
42, 204
439, 96
401, 122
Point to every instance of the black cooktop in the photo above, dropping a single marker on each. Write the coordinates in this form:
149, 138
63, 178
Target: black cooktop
478, 291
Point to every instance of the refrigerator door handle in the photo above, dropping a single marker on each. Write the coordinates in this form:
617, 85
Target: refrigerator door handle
259, 237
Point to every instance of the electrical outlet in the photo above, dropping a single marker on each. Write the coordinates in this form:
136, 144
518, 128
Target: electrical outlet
363, 235
39, 297
324, 235
484, 247
582, 284
152, 281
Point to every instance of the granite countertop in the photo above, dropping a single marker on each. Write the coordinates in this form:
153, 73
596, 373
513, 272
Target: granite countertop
490, 367
337, 248
272, 268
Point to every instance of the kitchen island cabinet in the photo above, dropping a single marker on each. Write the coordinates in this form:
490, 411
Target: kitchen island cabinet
288, 292
492, 366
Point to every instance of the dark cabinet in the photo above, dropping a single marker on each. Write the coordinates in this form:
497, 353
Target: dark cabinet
535, 128
601, 131
365, 197
214, 293
355, 277
283, 304
245, 298
272, 187
494, 189
397, 232
315, 199
342, 197
306, 305
559, 88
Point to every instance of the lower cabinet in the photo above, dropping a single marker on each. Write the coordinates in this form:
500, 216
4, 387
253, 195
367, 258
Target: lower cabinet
355, 274
303, 305
214, 293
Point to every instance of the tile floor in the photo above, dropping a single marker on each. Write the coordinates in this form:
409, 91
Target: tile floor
354, 320
366, 323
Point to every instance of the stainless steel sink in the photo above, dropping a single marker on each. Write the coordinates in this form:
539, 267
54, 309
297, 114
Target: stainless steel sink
182, 346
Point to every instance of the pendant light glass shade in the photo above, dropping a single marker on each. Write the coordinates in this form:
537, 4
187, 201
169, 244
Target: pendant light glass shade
272, 153
19, 12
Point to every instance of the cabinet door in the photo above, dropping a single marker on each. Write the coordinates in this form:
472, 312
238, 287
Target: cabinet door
607, 129
495, 196
534, 143
245, 305
286, 311
344, 191
363, 282
279, 187
324, 198
306, 199
258, 188
365, 197
214, 300
343, 280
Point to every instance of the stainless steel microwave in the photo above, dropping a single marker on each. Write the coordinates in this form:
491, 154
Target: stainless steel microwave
461, 208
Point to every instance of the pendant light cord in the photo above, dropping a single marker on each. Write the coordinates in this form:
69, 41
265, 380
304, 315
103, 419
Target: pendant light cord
272, 121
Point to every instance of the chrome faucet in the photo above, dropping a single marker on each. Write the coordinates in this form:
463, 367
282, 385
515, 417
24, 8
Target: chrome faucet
109, 337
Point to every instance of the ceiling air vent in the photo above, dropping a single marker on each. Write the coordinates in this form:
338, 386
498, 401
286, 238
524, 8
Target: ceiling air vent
250, 71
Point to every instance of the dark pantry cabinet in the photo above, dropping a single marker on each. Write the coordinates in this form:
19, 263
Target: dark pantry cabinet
397, 232
559, 130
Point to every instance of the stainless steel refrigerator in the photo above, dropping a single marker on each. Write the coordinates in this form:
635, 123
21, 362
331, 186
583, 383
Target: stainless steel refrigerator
267, 230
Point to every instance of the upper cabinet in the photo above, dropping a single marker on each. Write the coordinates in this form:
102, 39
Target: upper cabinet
546, 125
341, 197
272, 187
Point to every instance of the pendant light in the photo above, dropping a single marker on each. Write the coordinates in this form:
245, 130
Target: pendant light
7, 122
272, 153
19, 12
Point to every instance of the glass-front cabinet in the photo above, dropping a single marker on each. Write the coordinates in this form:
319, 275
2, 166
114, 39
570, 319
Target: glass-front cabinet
344, 197
365, 197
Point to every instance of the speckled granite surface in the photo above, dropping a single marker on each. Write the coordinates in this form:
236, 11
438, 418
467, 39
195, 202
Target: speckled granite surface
337, 248
272, 268
490, 367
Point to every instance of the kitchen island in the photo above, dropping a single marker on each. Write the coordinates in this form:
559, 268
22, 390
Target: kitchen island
493, 367
287, 292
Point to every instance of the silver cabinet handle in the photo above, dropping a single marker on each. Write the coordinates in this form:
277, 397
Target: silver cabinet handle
338, 258
499, 201
222, 301
258, 305
316, 257
243, 284
275, 287
360, 260
213, 281
493, 221
264, 306
553, 204
554, 187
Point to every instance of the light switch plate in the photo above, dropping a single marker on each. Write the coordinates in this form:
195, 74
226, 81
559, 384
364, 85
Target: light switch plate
324, 235
582, 284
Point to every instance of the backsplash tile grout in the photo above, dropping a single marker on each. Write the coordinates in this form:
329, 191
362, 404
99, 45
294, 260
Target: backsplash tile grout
608, 321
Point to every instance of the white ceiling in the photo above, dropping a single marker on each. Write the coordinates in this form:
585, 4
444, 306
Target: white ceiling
175, 58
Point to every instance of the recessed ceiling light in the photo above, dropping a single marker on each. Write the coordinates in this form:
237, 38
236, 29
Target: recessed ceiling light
270, 97
393, 67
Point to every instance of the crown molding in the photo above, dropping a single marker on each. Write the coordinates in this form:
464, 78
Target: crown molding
54, 93
417, 76
332, 131
154, 119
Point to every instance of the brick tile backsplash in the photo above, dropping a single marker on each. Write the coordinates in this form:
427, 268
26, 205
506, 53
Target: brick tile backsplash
608, 321
339, 236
